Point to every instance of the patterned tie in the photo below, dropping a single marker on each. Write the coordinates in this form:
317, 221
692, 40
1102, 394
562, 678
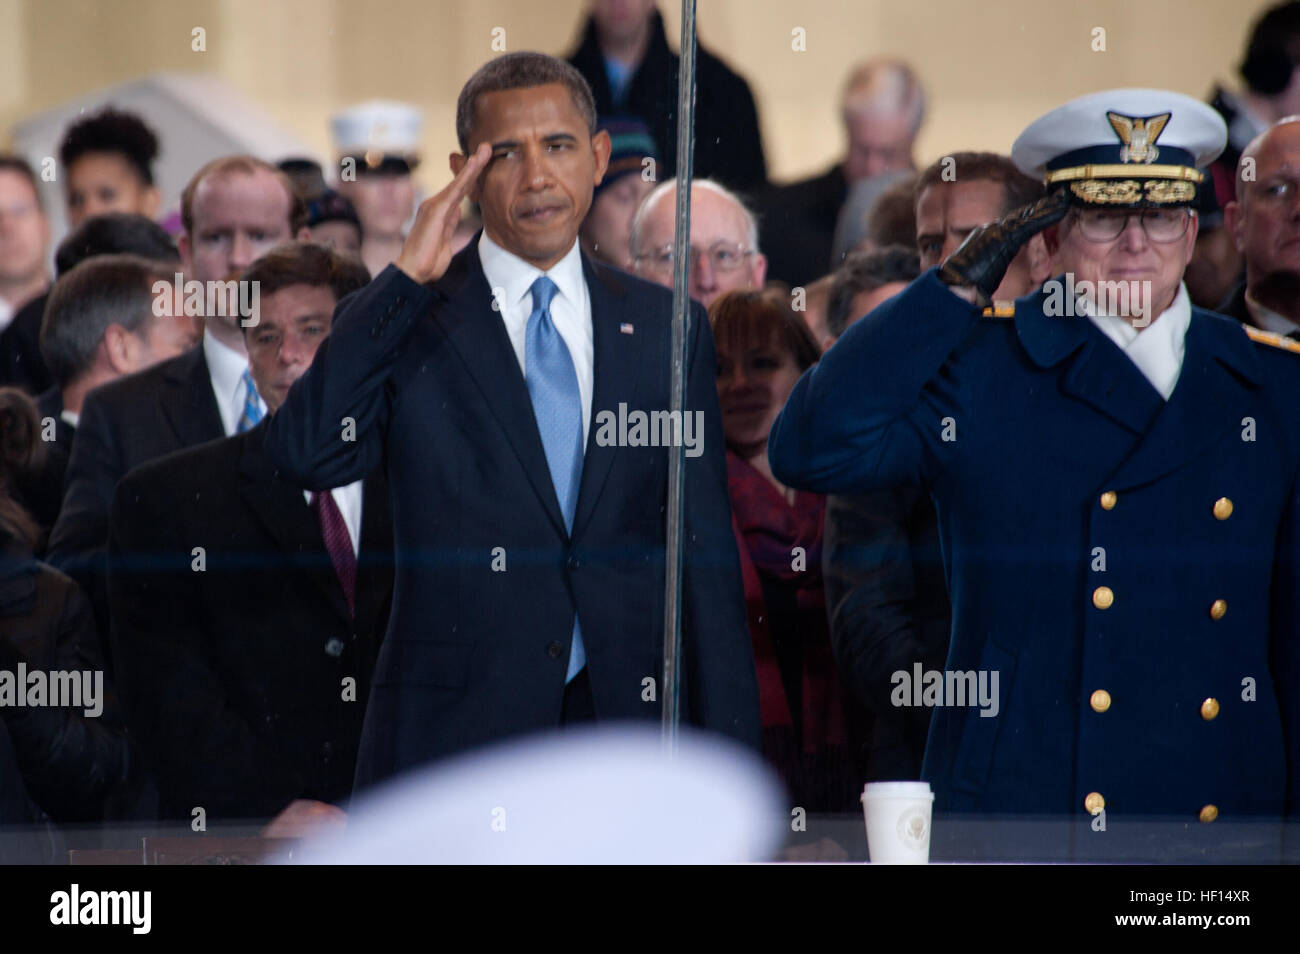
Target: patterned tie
557, 406
338, 543
253, 412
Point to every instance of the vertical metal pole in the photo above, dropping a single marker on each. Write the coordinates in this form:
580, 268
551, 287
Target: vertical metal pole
681, 312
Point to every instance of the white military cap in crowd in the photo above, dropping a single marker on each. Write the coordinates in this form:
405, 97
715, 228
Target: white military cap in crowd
1124, 147
379, 132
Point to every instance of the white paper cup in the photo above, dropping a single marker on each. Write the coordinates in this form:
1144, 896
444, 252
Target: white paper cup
898, 822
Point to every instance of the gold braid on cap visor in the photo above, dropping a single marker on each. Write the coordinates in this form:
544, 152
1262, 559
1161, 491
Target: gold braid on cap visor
1102, 184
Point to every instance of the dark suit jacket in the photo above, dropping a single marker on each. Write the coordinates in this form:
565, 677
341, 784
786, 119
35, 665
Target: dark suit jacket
21, 362
728, 142
488, 579
1234, 306
889, 609
78, 768
1085, 552
232, 677
125, 423
798, 226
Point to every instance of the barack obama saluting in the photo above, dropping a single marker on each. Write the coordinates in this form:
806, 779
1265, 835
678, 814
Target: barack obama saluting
1117, 498
529, 556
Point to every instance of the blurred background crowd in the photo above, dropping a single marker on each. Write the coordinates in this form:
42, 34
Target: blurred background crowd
818, 192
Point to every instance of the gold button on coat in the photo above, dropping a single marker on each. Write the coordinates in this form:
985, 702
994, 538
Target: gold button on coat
1218, 609
1209, 709
1102, 597
1222, 511
1108, 500
1100, 700
1209, 813
1093, 803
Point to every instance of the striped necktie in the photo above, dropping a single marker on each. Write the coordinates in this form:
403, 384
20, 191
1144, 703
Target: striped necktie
253, 412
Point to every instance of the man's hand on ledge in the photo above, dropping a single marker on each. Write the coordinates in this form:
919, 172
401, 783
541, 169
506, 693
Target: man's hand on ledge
304, 818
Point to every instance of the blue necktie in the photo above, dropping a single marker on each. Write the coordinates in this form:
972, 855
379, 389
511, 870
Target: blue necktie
252, 415
557, 405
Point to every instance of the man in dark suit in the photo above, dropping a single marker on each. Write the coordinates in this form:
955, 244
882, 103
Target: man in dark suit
625, 58
21, 362
234, 209
530, 572
1116, 481
1264, 220
247, 614
101, 324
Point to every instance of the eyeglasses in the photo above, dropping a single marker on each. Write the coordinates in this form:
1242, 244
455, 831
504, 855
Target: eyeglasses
723, 256
1160, 225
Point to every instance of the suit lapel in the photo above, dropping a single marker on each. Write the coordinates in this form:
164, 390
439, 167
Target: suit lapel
1219, 370
478, 334
284, 512
188, 403
616, 370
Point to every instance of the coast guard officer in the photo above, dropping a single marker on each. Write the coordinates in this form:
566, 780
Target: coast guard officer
1117, 493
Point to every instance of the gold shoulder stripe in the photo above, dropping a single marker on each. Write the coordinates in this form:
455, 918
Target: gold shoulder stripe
1269, 338
1001, 310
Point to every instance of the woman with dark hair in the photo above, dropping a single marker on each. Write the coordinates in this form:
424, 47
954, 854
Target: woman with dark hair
763, 347
107, 160
73, 765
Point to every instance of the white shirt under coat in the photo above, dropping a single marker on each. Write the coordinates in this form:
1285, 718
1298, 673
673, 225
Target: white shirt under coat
226, 368
570, 309
1157, 349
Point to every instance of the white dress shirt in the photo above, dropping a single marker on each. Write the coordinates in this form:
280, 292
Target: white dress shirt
348, 500
7, 312
226, 368
1157, 349
1268, 319
570, 309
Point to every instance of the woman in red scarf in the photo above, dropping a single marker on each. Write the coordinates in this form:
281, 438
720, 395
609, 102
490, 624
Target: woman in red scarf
763, 347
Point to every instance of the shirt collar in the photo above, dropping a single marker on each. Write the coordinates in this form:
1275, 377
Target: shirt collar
225, 367
1268, 319
1170, 329
515, 277
1172, 322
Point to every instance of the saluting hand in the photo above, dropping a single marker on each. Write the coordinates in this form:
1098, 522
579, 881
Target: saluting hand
982, 260
426, 253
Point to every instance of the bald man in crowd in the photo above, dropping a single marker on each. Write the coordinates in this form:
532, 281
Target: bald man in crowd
724, 240
1265, 224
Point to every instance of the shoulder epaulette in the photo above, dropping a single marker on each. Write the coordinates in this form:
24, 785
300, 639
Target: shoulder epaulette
1270, 338
1001, 309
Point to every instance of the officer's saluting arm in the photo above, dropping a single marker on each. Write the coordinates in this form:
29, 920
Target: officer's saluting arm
871, 413
330, 430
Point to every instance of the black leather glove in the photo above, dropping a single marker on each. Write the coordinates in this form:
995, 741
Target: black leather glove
984, 257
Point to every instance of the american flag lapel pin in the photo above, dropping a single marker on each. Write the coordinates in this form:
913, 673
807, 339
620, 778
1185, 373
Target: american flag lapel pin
625, 327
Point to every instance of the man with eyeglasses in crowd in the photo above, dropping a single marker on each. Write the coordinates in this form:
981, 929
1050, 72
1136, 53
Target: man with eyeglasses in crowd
724, 240
1118, 505
1264, 220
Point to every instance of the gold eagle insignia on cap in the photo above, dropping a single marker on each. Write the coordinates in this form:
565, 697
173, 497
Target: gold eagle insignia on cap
1139, 135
